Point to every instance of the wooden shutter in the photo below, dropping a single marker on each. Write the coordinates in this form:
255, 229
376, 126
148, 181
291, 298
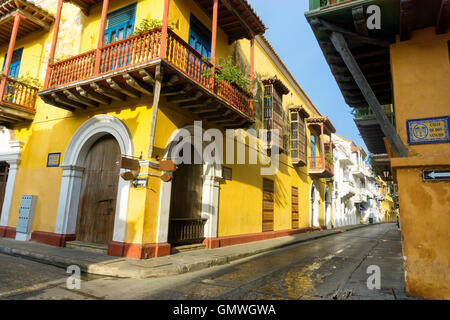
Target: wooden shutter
298, 139
268, 196
294, 210
273, 114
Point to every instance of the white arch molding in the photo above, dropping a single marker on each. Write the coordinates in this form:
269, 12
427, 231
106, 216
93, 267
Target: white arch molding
212, 174
72, 175
10, 150
314, 205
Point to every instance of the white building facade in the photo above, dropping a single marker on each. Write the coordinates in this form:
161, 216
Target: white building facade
356, 196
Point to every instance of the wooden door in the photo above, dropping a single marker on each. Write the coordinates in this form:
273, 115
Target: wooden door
99, 192
294, 208
3, 178
268, 197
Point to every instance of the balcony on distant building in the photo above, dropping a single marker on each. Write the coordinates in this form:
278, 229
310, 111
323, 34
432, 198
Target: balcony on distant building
321, 166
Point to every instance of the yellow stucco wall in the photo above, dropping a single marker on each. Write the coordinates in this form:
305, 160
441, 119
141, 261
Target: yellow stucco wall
421, 78
240, 202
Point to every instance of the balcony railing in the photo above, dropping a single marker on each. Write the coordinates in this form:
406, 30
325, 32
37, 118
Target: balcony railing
318, 163
19, 94
316, 4
145, 47
367, 113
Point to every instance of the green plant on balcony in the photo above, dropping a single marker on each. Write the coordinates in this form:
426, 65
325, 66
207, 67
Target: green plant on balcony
227, 70
26, 80
329, 159
149, 24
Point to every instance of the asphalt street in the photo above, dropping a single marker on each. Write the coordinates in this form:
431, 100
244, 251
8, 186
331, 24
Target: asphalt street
334, 267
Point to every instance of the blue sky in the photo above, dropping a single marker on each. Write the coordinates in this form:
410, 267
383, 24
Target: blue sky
291, 36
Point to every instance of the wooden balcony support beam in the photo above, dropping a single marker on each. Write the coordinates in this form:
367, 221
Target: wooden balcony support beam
59, 98
185, 98
171, 81
147, 77
93, 95
137, 84
388, 129
159, 75
133, 93
199, 104
80, 99
108, 92
51, 101
179, 90
207, 109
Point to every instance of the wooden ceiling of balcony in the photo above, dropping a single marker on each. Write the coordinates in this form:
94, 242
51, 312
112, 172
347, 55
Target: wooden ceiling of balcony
373, 137
36, 18
133, 82
235, 17
316, 121
85, 5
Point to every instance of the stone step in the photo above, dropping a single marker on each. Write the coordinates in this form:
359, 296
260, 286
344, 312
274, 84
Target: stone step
188, 247
87, 246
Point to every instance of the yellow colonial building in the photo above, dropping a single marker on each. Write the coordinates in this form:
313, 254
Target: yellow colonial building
94, 100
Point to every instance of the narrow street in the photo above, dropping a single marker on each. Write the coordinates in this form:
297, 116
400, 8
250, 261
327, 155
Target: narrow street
334, 267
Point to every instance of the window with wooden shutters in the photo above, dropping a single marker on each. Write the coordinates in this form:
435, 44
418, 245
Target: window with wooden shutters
294, 208
268, 197
298, 137
273, 114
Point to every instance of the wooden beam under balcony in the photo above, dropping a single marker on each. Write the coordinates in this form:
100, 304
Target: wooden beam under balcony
93, 95
137, 84
443, 18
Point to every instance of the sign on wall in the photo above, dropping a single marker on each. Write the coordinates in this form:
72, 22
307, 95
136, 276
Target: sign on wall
53, 159
436, 175
428, 130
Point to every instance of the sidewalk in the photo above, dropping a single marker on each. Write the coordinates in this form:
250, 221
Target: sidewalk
101, 264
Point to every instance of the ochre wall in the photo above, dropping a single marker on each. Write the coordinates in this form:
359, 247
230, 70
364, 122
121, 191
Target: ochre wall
421, 77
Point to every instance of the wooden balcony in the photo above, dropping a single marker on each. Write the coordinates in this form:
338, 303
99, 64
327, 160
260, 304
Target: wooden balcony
319, 4
318, 167
18, 102
127, 69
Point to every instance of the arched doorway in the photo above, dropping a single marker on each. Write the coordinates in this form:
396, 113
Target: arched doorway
204, 185
186, 225
314, 198
101, 132
98, 195
327, 208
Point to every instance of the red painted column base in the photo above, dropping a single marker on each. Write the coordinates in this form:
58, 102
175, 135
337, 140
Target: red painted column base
138, 251
7, 232
53, 239
212, 243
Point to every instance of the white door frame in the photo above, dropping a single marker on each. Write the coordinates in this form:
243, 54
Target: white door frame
73, 167
327, 207
10, 151
212, 174
314, 205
